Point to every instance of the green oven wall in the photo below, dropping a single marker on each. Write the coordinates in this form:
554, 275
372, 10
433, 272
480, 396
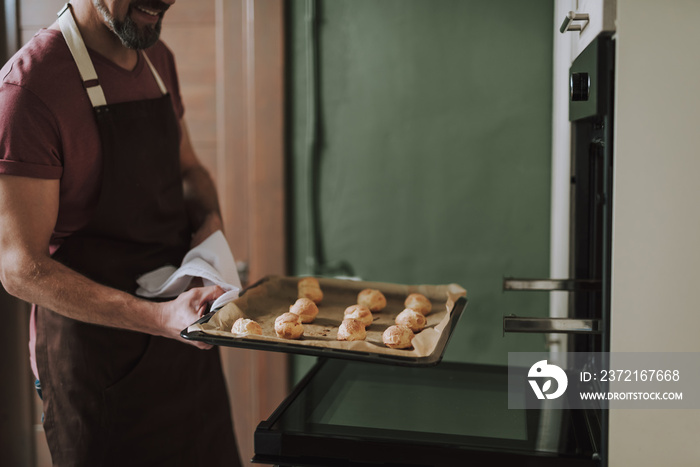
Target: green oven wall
435, 149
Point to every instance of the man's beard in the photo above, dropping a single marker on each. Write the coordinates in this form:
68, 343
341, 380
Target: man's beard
128, 31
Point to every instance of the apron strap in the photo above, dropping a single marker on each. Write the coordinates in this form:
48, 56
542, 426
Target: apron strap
71, 33
80, 54
161, 85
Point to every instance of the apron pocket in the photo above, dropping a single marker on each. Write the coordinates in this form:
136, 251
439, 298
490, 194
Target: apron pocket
132, 370
147, 423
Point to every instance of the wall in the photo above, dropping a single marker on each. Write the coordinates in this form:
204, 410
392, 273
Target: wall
656, 223
16, 424
435, 151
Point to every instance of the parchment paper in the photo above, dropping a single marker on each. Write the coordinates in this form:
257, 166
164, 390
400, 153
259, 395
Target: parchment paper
269, 299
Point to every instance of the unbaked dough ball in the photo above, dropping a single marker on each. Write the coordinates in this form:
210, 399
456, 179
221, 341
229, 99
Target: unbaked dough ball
419, 302
246, 326
398, 337
288, 326
351, 330
412, 319
372, 299
360, 313
308, 287
305, 308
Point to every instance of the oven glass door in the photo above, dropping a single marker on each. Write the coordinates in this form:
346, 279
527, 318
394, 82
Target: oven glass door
349, 413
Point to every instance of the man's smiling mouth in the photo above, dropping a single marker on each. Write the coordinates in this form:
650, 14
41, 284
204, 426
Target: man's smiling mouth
148, 11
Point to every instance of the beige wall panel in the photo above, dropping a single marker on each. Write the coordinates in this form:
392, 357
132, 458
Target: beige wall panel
240, 369
43, 12
195, 51
200, 106
35, 14
207, 155
191, 11
656, 224
267, 170
26, 35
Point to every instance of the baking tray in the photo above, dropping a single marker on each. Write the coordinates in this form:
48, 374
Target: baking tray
272, 296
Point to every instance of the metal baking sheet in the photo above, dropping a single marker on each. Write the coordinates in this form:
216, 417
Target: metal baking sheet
273, 295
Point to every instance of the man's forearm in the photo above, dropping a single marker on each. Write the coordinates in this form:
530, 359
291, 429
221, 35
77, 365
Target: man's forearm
201, 198
28, 212
52, 285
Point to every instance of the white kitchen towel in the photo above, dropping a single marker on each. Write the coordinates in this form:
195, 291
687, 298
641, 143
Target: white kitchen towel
211, 260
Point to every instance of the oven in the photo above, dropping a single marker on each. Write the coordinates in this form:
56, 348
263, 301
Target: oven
587, 325
346, 413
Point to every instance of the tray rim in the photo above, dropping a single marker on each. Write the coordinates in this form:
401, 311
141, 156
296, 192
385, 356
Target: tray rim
327, 352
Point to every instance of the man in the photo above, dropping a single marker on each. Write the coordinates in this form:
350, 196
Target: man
94, 155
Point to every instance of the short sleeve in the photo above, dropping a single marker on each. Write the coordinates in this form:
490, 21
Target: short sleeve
29, 136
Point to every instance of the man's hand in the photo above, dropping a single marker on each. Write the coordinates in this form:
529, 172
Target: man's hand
177, 314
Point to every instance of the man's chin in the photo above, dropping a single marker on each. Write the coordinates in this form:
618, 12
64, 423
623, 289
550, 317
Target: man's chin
134, 37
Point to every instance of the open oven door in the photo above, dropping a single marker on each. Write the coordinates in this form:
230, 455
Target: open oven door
346, 413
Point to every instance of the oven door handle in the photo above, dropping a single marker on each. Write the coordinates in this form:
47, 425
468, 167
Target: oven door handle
568, 24
569, 285
514, 323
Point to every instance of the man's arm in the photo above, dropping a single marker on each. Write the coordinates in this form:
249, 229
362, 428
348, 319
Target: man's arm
200, 193
28, 211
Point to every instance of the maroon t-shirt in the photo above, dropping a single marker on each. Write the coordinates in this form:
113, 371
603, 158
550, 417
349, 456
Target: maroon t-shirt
47, 123
48, 128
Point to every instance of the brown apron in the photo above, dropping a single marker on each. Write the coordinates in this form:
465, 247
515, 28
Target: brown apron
115, 397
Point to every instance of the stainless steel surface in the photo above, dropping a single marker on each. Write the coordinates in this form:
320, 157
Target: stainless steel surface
572, 285
568, 24
551, 325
